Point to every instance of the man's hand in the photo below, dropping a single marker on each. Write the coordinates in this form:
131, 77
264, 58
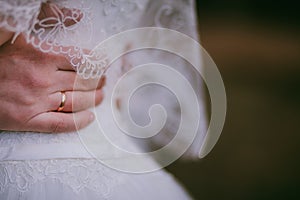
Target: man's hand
30, 91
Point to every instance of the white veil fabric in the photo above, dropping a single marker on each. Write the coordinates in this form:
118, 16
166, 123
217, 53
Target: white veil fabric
58, 166
101, 19
178, 15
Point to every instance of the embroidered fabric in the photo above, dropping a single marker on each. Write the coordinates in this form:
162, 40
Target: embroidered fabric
95, 21
78, 174
98, 20
19, 15
8, 139
82, 179
52, 34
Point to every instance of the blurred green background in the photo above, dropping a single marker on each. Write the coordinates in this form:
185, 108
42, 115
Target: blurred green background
256, 45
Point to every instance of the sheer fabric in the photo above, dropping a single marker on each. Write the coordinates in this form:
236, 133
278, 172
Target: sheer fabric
38, 166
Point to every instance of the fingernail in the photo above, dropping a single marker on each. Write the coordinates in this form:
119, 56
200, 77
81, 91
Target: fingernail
92, 117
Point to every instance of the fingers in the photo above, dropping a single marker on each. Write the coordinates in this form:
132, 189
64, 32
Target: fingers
56, 122
76, 105
63, 62
89, 84
75, 100
67, 80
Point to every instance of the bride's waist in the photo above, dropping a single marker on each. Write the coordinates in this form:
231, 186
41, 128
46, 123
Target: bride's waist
31, 146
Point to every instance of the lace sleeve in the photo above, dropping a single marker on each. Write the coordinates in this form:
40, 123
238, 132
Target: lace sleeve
19, 16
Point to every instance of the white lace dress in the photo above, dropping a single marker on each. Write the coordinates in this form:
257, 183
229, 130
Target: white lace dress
36, 166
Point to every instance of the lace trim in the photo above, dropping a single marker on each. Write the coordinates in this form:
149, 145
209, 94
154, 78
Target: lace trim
8, 139
19, 15
78, 174
52, 35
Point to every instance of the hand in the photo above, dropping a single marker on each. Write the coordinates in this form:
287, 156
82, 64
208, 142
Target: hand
30, 91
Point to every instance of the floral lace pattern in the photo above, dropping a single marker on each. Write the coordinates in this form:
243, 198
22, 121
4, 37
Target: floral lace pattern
51, 34
19, 15
78, 174
14, 138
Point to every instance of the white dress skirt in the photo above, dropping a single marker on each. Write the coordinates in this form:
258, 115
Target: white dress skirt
37, 166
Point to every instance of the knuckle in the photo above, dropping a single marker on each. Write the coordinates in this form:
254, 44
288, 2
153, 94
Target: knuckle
80, 102
89, 84
29, 101
83, 84
35, 81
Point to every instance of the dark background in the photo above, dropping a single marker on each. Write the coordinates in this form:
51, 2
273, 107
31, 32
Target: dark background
256, 45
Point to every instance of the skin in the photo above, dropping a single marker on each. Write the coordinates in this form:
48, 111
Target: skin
31, 83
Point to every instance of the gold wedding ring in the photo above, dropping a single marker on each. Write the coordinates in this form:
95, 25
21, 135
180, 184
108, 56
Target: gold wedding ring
63, 101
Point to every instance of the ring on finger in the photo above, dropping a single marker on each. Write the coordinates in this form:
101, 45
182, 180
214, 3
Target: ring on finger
63, 101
